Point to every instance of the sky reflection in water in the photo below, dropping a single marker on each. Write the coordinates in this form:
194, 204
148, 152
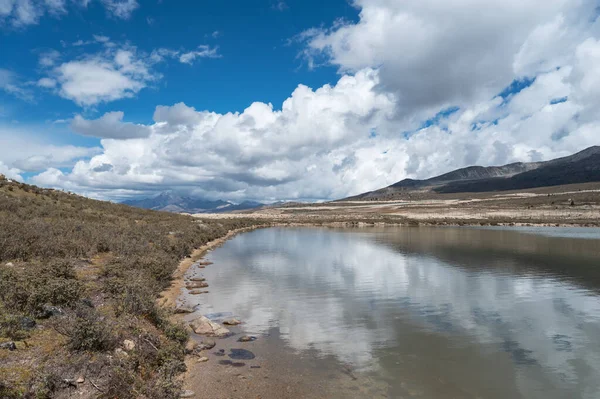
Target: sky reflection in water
521, 310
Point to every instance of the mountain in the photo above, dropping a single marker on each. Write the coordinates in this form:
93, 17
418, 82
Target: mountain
582, 167
171, 202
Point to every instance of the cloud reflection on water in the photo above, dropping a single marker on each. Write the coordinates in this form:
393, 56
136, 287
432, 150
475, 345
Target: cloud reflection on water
352, 294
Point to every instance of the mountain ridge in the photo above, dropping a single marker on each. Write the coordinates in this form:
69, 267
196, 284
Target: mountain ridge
581, 167
170, 202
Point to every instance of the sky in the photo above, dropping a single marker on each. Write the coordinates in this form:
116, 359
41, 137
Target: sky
289, 100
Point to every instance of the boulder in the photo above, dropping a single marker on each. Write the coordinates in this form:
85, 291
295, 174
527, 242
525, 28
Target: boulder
207, 344
246, 338
187, 394
184, 309
204, 326
203, 359
192, 347
197, 279
196, 284
27, 323
10, 345
197, 292
232, 322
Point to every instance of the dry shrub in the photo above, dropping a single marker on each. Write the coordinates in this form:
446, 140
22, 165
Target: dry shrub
86, 330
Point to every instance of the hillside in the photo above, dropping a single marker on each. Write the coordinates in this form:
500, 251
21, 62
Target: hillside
171, 202
78, 278
583, 167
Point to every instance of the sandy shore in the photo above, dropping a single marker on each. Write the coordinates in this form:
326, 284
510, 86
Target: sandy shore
168, 297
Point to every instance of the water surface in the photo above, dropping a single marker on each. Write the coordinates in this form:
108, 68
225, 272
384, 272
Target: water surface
424, 312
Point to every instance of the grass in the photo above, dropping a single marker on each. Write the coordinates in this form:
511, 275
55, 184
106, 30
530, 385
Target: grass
89, 273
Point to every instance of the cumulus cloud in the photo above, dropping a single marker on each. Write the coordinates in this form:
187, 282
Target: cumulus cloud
435, 53
333, 142
11, 173
425, 87
117, 70
110, 125
108, 75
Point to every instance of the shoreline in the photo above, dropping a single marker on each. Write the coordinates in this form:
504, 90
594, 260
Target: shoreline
168, 297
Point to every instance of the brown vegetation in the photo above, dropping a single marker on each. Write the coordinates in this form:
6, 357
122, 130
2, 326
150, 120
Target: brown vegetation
77, 278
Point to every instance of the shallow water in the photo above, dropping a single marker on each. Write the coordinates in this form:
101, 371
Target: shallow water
423, 312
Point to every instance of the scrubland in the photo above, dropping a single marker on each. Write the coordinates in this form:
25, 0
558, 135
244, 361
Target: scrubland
79, 282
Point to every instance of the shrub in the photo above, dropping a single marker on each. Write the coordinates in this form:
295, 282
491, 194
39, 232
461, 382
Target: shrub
86, 330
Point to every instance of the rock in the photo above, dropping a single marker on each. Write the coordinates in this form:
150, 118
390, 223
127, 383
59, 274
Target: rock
204, 326
191, 347
197, 279
10, 345
184, 309
48, 311
197, 284
197, 292
232, 322
187, 394
80, 380
246, 338
87, 302
207, 344
27, 323
241, 354
9, 264
203, 359
121, 353
205, 263
128, 344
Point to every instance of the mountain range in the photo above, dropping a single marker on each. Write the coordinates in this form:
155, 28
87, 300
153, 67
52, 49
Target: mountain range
171, 202
582, 167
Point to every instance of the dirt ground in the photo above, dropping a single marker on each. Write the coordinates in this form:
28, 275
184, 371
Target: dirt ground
563, 205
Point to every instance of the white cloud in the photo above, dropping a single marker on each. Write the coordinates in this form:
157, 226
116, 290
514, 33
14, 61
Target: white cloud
49, 58
401, 64
11, 173
10, 84
110, 125
435, 53
121, 8
91, 81
22, 13
47, 83
203, 51
333, 142
20, 150
115, 71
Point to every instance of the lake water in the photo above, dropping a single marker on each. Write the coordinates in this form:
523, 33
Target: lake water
424, 312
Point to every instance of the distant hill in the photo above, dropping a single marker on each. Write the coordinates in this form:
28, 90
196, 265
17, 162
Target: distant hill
171, 202
583, 167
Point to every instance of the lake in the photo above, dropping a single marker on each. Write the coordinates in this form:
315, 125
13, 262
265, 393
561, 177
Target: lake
433, 312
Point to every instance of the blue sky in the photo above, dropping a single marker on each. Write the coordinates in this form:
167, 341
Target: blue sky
271, 100
258, 56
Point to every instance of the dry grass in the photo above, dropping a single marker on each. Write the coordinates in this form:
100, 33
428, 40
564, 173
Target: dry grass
88, 273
